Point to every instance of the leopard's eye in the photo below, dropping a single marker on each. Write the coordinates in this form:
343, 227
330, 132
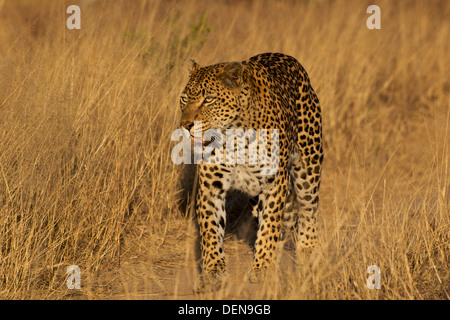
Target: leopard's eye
208, 100
183, 99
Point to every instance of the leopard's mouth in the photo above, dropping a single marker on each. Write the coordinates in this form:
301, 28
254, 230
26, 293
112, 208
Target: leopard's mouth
196, 139
201, 140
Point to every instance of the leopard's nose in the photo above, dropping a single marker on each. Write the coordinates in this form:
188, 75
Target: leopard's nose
187, 124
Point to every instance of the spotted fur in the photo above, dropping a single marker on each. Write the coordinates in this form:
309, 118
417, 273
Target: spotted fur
268, 91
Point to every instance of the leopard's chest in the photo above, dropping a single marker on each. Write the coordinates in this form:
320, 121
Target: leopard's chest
248, 179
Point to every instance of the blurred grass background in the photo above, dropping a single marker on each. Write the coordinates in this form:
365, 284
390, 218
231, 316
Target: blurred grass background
86, 118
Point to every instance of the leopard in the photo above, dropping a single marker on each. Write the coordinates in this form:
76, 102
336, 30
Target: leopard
269, 91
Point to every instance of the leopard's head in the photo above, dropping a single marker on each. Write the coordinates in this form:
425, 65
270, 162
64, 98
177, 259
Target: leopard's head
212, 96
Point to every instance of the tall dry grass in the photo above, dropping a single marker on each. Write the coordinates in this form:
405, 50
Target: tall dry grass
86, 118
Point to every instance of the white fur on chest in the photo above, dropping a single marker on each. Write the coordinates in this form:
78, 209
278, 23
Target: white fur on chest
247, 179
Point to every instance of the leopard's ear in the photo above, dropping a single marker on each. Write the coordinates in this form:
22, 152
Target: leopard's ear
232, 76
194, 67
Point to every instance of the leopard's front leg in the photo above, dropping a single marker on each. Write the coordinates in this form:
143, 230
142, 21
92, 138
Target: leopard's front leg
271, 204
211, 218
